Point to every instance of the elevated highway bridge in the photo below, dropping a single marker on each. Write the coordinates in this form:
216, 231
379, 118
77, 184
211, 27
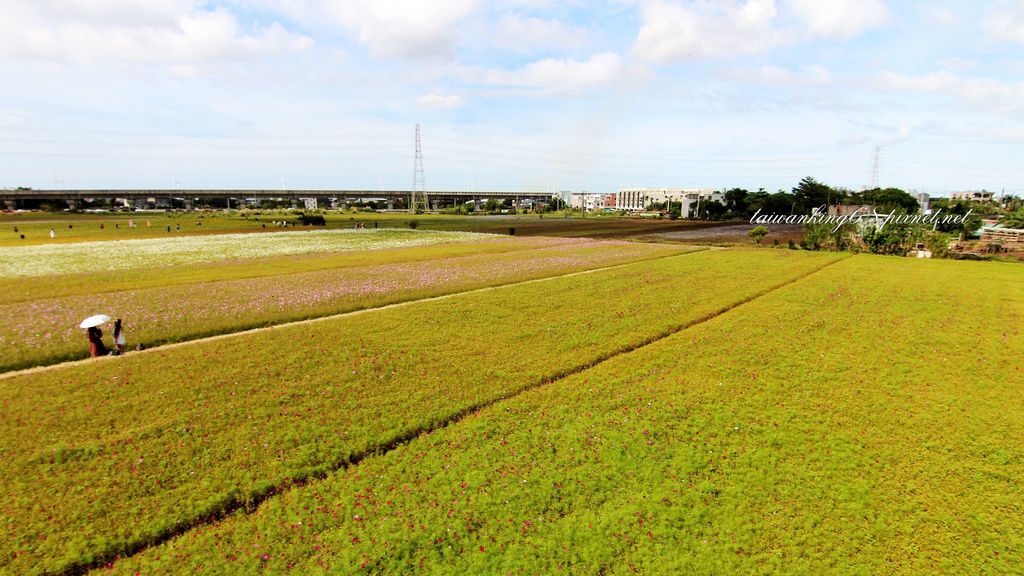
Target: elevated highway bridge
23, 198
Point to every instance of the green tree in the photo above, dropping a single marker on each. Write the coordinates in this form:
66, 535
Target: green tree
827, 236
894, 238
736, 200
779, 203
890, 199
810, 194
1014, 219
713, 210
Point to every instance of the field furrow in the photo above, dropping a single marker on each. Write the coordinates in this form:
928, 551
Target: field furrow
849, 423
108, 457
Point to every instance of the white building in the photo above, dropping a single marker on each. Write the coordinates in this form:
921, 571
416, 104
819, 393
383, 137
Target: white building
925, 201
638, 199
587, 201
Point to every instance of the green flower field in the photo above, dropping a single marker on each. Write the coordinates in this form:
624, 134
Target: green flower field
534, 406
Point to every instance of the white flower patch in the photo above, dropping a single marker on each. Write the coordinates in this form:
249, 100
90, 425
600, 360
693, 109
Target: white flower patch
47, 259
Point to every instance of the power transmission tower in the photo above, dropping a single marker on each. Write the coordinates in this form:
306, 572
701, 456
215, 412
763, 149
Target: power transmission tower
418, 198
874, 168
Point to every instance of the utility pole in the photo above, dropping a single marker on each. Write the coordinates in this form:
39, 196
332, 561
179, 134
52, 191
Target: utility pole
874, 167
418, 197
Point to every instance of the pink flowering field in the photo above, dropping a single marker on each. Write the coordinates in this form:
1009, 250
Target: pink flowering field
43, 330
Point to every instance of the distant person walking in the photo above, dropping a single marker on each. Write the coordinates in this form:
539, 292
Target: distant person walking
119, 340
96, 346
53, 233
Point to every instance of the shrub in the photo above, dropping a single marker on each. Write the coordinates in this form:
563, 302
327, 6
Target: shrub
312, 220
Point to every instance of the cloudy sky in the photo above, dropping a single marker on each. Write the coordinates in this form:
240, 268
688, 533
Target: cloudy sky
510, 94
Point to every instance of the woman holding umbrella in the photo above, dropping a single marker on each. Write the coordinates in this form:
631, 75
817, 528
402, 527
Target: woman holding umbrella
96, 345
95, 335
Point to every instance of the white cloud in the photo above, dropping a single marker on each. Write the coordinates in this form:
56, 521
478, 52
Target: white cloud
175, 33
556, 76
441, 101
986, 91
675, 32
810, 75
527, 34
391, 28
1006, 21
840, 19
959, 64
854, 139
938, 14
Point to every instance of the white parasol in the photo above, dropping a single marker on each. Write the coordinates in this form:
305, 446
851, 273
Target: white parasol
94, 321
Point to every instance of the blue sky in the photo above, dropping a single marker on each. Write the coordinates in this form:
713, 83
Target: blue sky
512, 94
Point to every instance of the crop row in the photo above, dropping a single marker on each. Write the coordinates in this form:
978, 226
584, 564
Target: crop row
844, 424
105, 457
46, 330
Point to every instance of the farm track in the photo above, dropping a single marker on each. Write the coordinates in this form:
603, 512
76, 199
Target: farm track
251, 502
207, 339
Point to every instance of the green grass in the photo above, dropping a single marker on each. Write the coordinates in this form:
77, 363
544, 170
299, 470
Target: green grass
103, 457
70, 228
865, 419
45, 330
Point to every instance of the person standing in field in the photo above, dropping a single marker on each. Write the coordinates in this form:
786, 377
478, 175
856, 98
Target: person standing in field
119, 340
96, 346
53, 233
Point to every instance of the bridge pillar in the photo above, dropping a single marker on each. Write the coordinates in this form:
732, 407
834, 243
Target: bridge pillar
391, 203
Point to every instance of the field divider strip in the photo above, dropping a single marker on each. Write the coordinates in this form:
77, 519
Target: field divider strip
251, 502
226, 335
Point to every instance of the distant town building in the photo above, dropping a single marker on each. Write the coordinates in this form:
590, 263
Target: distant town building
862, 213
610, 201
587, 201
982, 196
925, 201
851, 210
638, 199
1008, 238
